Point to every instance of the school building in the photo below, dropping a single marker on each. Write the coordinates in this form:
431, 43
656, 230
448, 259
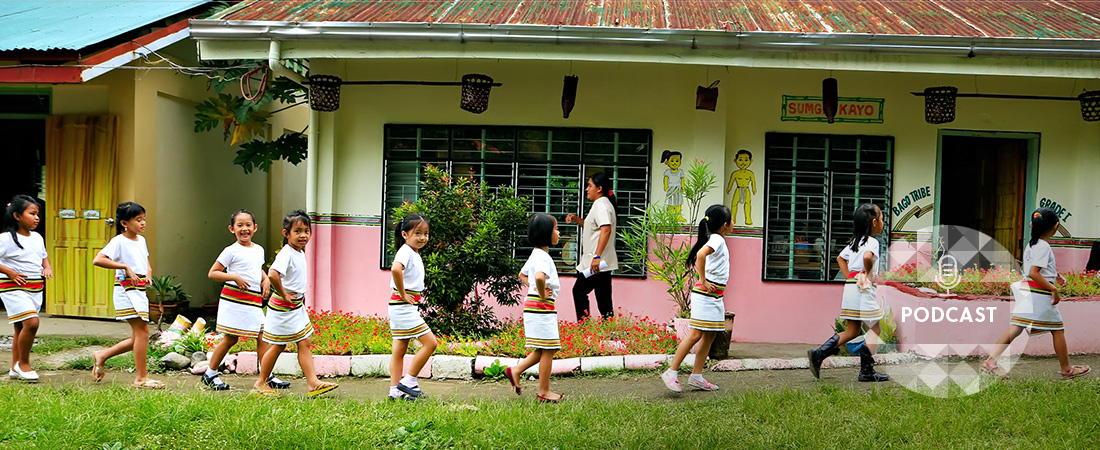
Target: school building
1009, 124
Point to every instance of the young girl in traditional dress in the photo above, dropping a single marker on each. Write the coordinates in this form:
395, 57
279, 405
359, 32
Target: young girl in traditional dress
24, 269
859, 307
287, 321
711, 260
406, 323
240, 309
1037, 297
540, 318
128, 255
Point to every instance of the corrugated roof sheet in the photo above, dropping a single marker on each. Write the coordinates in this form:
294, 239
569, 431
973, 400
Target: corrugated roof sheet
73, 25
969, 18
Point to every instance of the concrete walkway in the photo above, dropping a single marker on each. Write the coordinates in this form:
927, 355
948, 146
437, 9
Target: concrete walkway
51, 325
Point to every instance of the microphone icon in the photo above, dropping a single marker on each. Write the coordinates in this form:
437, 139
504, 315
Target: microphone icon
948, 275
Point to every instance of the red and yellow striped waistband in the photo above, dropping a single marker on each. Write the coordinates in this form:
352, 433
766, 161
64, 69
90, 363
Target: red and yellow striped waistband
130, 284
32, 285
535, 304
243, 296
278, 303
719, 289
395, 297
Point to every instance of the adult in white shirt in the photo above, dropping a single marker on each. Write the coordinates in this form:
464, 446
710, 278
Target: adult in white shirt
597, 241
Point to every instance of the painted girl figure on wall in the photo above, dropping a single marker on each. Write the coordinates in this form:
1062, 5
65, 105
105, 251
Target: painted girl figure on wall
674, 195
743, 179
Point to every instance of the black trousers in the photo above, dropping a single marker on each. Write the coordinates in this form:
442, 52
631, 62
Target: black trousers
601, 283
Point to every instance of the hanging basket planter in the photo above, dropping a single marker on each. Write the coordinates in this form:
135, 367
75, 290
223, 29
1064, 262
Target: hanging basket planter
1090, 105
475, 92
324, 92
706, 98
939, 104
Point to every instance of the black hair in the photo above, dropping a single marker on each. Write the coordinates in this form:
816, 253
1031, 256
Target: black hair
863, 219
17, 207
739, 152
126, 211
233, 218
540, 230
407, 224
1042, 220
295, 217
602, 181
665, 155
712, 221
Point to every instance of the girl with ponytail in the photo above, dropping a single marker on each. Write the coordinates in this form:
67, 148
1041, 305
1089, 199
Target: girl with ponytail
859, 307
24, 269
711, 260
1037, 297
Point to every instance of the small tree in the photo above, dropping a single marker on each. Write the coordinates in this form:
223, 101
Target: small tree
660, 227
469, 256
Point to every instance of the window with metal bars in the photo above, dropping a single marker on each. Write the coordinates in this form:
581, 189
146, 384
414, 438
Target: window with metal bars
813, 184
548, 165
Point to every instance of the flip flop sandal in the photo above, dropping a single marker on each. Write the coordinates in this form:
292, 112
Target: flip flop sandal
561, 398
265, 393
1076, 371
511, 379
98, 373
994, 370
324, 387
150, 384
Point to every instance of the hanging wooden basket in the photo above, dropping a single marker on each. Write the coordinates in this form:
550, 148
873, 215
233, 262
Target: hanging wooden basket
324, 92
706, 98
475, 92
1090, 105
939, 104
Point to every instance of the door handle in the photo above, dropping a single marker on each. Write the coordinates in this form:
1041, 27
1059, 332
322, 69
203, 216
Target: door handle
109, 222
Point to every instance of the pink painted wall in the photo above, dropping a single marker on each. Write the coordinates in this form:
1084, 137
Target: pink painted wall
345, 275
1080, 317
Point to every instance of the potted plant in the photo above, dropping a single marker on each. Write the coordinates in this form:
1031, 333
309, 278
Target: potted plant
169, 296
657, 232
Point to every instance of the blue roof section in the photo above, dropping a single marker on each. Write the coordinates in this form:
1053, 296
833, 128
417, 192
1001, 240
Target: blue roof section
75, 24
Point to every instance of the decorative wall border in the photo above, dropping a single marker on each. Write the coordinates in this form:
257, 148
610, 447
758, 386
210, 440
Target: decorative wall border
345, 219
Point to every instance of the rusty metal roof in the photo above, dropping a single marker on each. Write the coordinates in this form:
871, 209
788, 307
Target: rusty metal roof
1067, 19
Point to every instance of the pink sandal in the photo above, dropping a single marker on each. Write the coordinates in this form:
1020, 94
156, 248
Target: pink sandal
1076, 371
513, 380
994, 370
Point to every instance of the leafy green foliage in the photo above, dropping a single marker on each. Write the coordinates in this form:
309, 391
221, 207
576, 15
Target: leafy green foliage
474, 229
241, 119
698, 182
495, 370
257, 153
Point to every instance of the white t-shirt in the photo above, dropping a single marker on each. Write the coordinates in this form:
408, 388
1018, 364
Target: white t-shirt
718, 262
602, 213
413, 274
27, 260
1042, 256
673, 177
291, 265
248, 262
132, 253
541, 261
855, 259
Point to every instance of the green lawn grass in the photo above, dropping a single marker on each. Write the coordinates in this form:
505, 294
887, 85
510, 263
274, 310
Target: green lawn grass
1023, 414
53, 344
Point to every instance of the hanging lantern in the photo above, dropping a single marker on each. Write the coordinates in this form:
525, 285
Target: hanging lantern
1090, 105
475, 92
707, 97
568, 95
829, 99
324, 92
939, 104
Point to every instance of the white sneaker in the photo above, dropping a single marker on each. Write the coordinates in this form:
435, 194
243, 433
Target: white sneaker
672, 381
703, 385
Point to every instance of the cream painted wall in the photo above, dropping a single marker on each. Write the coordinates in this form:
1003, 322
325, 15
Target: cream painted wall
199, 188
80, 99
1069, 147
660, 98
287, 182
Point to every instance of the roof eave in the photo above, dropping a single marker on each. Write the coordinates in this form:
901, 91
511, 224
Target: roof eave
451, 33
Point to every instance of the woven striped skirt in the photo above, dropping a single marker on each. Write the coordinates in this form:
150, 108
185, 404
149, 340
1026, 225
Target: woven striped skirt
540, 324
240, 312
286, 322
708, 309
22, 301
859, 304
1035, 310
405, 319
130, 300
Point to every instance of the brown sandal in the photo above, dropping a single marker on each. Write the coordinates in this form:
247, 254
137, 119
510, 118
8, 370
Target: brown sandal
1076, 371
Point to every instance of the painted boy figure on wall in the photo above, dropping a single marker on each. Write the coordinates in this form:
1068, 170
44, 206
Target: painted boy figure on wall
743, 179
674, 195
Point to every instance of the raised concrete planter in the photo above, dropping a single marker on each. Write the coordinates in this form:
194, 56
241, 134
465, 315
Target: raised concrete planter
688, 361
641, 362
332, 365
560, 367
591, 363
287, 364
481, 362
247, 363
453, 367
379, 365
